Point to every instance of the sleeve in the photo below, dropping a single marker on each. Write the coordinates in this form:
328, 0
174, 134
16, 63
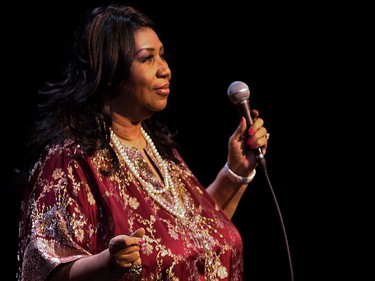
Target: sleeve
59, 216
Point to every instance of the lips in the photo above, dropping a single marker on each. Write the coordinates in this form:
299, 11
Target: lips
163, 90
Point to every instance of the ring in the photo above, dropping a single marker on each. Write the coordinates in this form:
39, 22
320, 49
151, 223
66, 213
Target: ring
267, 136
135, 269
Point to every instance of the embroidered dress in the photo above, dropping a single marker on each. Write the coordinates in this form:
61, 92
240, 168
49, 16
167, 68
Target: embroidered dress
71, 210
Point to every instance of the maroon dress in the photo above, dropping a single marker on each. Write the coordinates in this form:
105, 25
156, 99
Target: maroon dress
72, 210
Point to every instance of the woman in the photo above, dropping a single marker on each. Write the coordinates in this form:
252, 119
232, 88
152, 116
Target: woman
110, 197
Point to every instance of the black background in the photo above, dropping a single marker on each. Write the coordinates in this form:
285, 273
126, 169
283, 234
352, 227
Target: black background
306, 66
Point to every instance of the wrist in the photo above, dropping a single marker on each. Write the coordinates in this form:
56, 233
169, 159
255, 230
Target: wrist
237, 178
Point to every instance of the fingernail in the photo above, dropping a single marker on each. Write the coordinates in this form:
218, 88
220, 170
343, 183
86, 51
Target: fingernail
141, 241
250, 131
250, 142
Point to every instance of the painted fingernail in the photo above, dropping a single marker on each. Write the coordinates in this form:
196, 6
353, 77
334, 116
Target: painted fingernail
250, 131
141, 241
250, 142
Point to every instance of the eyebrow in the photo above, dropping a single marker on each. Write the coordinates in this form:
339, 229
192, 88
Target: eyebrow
146, 49
151, 49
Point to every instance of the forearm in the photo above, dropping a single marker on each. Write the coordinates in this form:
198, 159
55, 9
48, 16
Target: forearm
95, 267
226, 193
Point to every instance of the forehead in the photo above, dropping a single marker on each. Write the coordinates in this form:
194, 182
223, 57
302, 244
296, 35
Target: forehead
146, 37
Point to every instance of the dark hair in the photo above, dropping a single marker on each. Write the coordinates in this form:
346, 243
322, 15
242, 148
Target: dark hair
99, 57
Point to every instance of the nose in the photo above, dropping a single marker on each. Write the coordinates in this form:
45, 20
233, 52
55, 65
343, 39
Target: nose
164, 70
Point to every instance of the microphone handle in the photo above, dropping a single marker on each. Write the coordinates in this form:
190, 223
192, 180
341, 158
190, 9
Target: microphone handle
245, 110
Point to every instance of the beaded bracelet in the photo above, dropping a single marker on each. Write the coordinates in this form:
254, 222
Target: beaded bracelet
236, 178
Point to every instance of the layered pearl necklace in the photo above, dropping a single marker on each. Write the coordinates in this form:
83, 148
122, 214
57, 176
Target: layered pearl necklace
177, 207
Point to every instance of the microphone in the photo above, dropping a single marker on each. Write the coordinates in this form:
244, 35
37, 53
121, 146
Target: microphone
239, 93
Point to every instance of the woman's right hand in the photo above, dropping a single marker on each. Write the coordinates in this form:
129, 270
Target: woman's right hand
124, 249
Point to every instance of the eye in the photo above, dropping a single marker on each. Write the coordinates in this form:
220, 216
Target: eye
149, 58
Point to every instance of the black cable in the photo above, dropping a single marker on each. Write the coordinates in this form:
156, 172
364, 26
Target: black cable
262, 162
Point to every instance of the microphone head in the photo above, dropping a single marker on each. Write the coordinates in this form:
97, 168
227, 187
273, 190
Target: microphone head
238, 91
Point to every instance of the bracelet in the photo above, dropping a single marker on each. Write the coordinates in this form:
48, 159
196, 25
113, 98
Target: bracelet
236, 178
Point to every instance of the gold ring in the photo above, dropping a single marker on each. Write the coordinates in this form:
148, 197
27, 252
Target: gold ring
135, 269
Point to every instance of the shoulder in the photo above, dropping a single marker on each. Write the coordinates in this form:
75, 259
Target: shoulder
60, 148
66, 162
69, 154
58, 155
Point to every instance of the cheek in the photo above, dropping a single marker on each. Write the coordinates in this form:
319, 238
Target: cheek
143, 73
123, 94
140, 81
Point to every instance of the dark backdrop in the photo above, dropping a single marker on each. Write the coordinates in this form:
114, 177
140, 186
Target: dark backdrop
301, 63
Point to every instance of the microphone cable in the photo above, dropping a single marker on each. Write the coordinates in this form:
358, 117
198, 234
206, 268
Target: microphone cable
263, 166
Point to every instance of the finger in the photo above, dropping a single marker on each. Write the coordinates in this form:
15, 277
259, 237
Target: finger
126, 241
127, 260
241, 128
128, 250
258, 124
254, 114
259, 138
260, 135
127, 255
137, 261
136, 238
140, 232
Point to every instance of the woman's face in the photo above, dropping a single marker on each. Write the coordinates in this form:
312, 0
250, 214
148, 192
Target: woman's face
147, 89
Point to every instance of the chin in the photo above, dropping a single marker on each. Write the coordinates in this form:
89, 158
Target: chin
160, 107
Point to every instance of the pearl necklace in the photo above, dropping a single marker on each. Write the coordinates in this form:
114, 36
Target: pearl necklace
178, 210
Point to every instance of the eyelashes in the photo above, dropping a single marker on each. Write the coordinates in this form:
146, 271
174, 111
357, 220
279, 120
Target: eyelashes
151, 57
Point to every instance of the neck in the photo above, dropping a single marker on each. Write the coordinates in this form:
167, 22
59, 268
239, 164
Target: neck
129, 134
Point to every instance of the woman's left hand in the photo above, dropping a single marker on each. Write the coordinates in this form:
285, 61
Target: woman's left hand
242, 145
